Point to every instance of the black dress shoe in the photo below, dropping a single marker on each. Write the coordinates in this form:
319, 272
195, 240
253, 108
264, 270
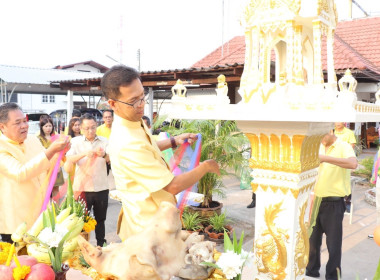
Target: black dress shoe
252, 204
312, 274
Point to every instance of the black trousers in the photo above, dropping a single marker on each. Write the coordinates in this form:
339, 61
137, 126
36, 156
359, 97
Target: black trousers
329, 221
98, 201
6, 238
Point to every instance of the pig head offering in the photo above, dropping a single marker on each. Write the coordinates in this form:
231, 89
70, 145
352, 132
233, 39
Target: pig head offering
156, 253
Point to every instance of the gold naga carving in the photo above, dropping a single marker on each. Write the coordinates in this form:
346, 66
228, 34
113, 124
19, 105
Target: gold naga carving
271, 252
301, 257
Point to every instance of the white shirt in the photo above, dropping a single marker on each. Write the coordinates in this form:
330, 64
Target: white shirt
90, 174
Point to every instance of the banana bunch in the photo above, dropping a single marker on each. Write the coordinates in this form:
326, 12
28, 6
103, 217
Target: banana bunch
41, 253
18, 235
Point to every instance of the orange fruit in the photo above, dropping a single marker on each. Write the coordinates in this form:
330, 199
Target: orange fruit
376, 235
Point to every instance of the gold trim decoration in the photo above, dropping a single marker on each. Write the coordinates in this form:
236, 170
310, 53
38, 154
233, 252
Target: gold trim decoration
270, 247
301, 257
294, 154
285, 190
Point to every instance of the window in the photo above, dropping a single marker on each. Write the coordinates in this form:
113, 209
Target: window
48, 98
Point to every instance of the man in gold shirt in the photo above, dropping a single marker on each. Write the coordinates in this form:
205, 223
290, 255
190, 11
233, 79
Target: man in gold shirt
104, 130
333, 184
141, 174
23, 165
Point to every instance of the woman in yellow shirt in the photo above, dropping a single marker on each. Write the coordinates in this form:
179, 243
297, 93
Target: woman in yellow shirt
46, 132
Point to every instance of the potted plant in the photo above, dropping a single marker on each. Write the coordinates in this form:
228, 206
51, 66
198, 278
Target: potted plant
221, 141
192, 221
217, 226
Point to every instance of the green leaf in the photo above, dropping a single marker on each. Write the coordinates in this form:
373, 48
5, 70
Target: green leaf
240, 242
70, 195
210, 264
56, 267
46, 219
228, 246
377, 274
51, 218
234, 241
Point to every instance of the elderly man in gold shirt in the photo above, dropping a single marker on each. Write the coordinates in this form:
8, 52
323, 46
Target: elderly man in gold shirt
141, 174
23, 165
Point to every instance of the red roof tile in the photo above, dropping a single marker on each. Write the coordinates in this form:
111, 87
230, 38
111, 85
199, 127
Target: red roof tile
356, 46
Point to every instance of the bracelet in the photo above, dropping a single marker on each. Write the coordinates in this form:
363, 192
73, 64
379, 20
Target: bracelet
172, 141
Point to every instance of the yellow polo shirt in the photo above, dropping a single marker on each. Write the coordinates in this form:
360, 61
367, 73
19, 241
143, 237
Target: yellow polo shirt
103, 130
140, 174
346, 135
334, 180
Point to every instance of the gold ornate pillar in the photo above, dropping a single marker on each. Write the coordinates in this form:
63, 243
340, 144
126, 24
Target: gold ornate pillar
317, 34
284, 165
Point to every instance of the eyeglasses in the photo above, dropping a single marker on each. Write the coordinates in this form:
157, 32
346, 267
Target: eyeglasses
136, 104
89, 128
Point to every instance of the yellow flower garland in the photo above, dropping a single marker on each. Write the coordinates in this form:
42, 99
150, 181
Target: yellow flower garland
4, 251
20, 273
89, 225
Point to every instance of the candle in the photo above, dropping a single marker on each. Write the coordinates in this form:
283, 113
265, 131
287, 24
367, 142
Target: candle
11, 253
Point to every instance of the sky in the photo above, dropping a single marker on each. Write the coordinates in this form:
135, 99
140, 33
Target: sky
169, 33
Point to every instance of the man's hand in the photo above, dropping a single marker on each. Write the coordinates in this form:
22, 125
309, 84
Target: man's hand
212, 166
58, 145
190, 137
100, 152
90, 154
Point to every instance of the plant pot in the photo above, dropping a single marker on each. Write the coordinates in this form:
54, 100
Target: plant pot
215, 236
207, 212
62, 275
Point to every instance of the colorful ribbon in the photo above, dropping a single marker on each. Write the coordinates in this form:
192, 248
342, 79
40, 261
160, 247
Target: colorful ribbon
54, 174
194, 162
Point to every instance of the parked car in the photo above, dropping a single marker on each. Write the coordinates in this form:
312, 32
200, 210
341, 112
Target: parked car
34, 122
60, 116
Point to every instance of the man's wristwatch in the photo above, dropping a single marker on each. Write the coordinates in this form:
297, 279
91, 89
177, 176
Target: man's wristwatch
172, 141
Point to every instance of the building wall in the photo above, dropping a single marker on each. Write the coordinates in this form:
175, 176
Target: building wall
84, 68
32, 103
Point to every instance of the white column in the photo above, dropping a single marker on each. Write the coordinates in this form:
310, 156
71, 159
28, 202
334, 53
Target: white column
330, 57
151, 93
70, 106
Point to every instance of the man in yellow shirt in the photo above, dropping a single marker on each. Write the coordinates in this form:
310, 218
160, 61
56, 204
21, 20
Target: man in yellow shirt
104, 130
345, 134
23, 166
141, 174
348, 136
333, 184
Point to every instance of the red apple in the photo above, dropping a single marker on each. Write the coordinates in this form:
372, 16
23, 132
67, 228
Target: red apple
6, 273
41, 271
25, 260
